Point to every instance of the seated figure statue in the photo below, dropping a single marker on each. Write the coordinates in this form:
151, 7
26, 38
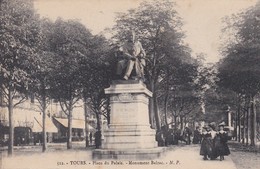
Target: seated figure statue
133, 59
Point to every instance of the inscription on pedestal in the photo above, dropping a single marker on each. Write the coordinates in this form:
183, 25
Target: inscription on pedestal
124, 113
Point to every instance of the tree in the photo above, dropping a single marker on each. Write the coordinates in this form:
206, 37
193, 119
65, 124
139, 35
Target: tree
239, 70
157, 25
41, 71
19, 34
179, 97
96, 72
70, 43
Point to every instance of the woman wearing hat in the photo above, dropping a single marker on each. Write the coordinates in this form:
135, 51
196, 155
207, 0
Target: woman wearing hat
206, 143
213, 134
221, 142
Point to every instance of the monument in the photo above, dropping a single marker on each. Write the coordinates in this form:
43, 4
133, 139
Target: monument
129, 135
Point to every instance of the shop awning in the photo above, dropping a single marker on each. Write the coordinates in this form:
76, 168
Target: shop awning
49, 126
76, 123
28, 118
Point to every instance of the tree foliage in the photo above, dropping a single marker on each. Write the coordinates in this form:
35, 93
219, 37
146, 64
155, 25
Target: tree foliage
96, 73
158, 26
19, 34
239, 69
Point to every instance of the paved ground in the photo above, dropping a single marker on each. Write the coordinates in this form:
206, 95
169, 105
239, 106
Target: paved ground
245, 157
189, 158
246, 160
183, 157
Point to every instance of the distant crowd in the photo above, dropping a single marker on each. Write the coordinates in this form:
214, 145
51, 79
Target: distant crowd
166, 137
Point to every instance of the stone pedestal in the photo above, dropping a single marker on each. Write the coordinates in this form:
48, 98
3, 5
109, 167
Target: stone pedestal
129, 135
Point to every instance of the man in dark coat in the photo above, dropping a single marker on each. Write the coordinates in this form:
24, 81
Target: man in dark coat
176, 135
97, 136
160, 138
187, 134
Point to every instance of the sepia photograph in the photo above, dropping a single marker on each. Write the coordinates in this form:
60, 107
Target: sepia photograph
107, 84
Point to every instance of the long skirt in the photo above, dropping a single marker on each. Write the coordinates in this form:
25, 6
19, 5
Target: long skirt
206, 147
221, 148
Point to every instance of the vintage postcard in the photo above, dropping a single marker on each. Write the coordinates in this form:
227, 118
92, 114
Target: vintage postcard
129, 84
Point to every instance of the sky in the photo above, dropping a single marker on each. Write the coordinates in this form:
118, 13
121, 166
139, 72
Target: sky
201, 18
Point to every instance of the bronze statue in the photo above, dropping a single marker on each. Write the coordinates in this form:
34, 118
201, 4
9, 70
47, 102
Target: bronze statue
133, 59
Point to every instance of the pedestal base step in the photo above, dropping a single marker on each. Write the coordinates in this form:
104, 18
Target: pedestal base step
134, 154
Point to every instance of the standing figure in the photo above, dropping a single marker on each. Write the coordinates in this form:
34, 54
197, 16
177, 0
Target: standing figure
160, 138
187, 134
213, 134
177, 135
133, 59
206, 143
221, 142
169, 137
196, 136
97, 136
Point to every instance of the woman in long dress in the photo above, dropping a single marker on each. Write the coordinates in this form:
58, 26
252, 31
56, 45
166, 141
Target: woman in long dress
196, 136
213, 134
206, 148
221, 142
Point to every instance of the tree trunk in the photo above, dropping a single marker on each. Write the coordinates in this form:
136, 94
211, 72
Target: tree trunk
166, 108
86, 122
235, 127
181, 121
44, 144
98, 121
69, 139
253, 122
175, 122
11, 127
156, 112
98, 134
239, 123
247, 122
244, 127
151, 106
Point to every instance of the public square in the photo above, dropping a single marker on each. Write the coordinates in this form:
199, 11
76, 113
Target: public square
129, 84
180, 157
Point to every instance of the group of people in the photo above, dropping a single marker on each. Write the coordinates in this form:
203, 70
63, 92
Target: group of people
214, 143
166, 137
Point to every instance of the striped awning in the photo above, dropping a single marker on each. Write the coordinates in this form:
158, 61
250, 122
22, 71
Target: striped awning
38, 127
76, 123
